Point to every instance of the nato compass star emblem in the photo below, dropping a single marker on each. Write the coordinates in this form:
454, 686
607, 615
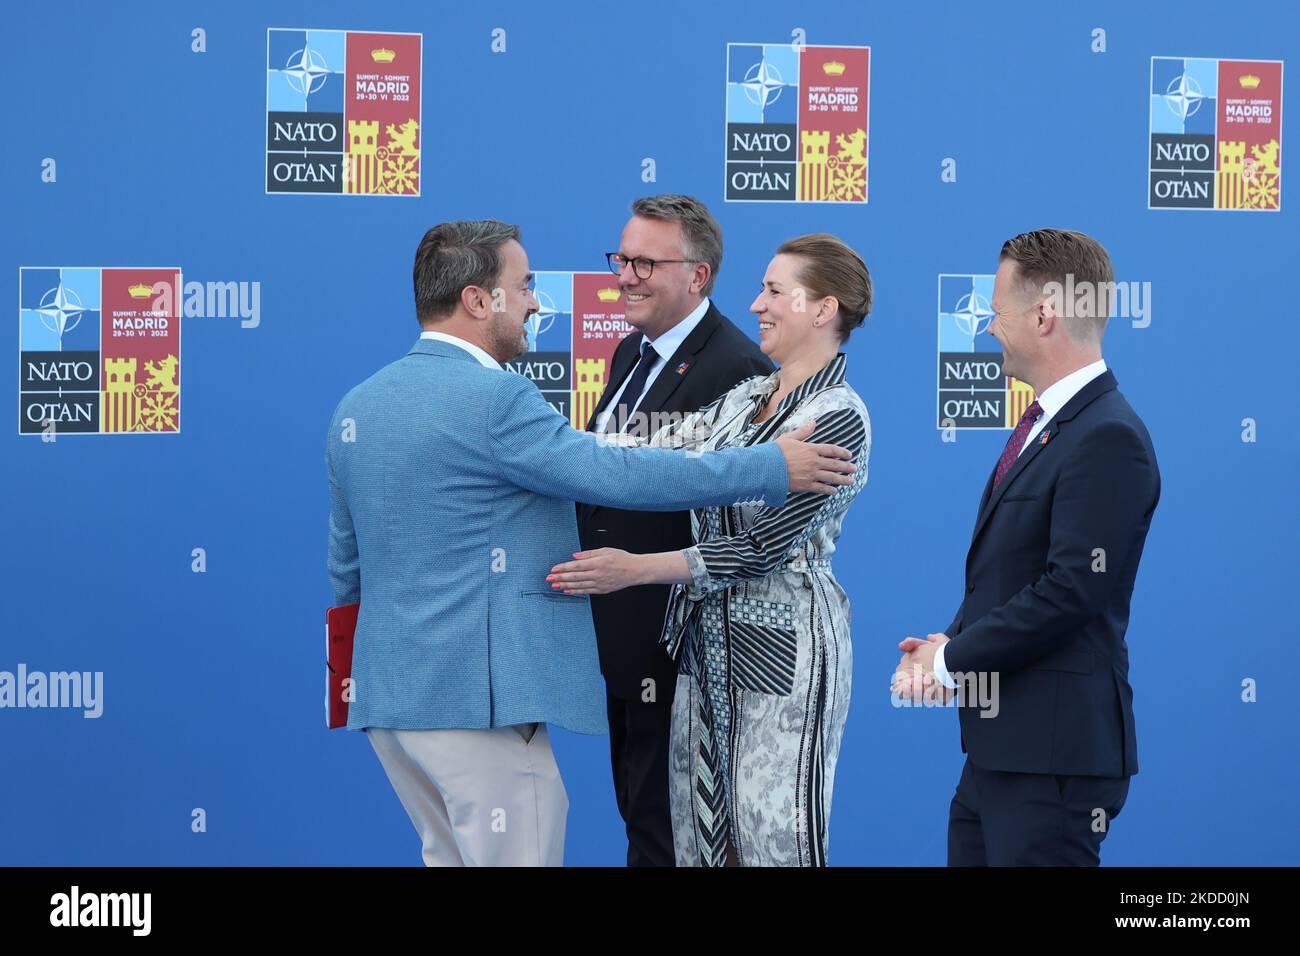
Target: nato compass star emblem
1184, 97
306, 71
61, 311
973, 314
762, 84
541, 320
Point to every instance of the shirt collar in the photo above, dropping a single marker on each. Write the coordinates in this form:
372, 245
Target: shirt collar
484, 359
668, 343
1057, 395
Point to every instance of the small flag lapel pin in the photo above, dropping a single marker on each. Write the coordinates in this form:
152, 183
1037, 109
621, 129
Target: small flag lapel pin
681, 369
1043, 440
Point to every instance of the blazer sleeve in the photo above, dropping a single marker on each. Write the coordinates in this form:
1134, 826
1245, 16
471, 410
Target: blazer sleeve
535, 448
955, 627
343, 560
1106, 489
688, 433
776, 533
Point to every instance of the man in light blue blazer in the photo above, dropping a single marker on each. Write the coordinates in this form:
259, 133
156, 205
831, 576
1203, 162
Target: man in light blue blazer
452, 484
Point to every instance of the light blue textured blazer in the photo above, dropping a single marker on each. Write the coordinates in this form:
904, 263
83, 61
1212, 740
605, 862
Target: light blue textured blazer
452, 489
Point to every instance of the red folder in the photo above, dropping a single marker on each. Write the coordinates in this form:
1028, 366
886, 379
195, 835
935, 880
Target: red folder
340, 626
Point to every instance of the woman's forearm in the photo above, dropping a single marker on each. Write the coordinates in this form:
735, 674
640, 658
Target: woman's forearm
665, 567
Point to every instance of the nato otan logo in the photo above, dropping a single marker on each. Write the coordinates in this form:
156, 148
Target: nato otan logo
797, 123
571, 340
1215, 134
98, 350
343, 112
973, 391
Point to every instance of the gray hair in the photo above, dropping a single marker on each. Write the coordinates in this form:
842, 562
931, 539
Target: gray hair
453, 255
701, 234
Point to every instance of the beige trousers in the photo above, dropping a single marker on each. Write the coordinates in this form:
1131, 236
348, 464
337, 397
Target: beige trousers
479, 797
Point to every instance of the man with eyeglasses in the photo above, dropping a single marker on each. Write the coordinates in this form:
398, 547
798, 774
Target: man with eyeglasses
683, 355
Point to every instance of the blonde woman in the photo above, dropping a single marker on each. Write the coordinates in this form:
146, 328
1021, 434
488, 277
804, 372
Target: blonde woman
757, 619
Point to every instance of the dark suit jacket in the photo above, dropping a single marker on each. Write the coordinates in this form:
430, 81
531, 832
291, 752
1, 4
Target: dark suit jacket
1039, 609
628, 622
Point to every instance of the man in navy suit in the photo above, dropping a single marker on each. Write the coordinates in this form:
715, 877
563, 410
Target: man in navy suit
1049, 577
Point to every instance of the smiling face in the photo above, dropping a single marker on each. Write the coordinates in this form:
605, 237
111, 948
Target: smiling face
1015, 322
506, 330
655, 305
787, 313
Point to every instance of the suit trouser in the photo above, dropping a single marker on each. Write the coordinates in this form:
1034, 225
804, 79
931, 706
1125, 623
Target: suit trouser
479, 797
638, 756
998, 818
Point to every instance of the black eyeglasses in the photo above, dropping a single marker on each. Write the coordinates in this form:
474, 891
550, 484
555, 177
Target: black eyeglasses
643, 267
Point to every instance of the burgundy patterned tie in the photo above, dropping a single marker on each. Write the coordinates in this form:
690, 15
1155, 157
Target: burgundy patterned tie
1017, 441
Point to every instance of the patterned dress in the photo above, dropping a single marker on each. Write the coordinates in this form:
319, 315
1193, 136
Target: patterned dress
762, 636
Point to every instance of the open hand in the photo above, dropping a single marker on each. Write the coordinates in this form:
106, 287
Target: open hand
819, 468
598, 571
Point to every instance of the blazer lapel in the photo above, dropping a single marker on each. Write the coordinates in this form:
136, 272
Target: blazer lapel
617, 373
1027, 455
665, 382
831, 375
984, 498
1084, 397
668, 379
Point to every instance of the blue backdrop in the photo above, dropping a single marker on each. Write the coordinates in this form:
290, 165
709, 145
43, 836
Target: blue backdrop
214, 681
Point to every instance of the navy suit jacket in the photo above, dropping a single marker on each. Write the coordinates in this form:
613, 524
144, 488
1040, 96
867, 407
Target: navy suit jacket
1049, 578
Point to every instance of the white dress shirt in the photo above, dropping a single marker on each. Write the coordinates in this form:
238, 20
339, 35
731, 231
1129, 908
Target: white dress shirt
665, 346
1054, 398
484, 359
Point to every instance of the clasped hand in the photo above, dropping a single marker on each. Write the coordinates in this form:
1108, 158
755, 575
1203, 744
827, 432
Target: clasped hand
914, 678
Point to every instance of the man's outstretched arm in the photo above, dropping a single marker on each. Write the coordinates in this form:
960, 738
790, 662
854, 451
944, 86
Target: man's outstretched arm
538, 450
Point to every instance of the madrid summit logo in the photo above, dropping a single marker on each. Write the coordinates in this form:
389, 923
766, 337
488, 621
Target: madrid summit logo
571, 340
1216, 134
343, 112
797, 122
973, 391
98, 350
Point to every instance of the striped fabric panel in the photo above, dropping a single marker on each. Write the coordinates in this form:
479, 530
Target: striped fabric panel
767, 543
828, 377
763, 658
828, 680
815, 825
710, 796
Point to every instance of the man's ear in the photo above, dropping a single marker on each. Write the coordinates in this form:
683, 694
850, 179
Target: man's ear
476, 301
1046, 315
700, 277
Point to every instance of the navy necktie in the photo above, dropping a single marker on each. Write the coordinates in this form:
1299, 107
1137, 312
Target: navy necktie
631, 396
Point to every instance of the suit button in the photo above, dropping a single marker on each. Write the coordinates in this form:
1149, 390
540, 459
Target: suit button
970, 587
